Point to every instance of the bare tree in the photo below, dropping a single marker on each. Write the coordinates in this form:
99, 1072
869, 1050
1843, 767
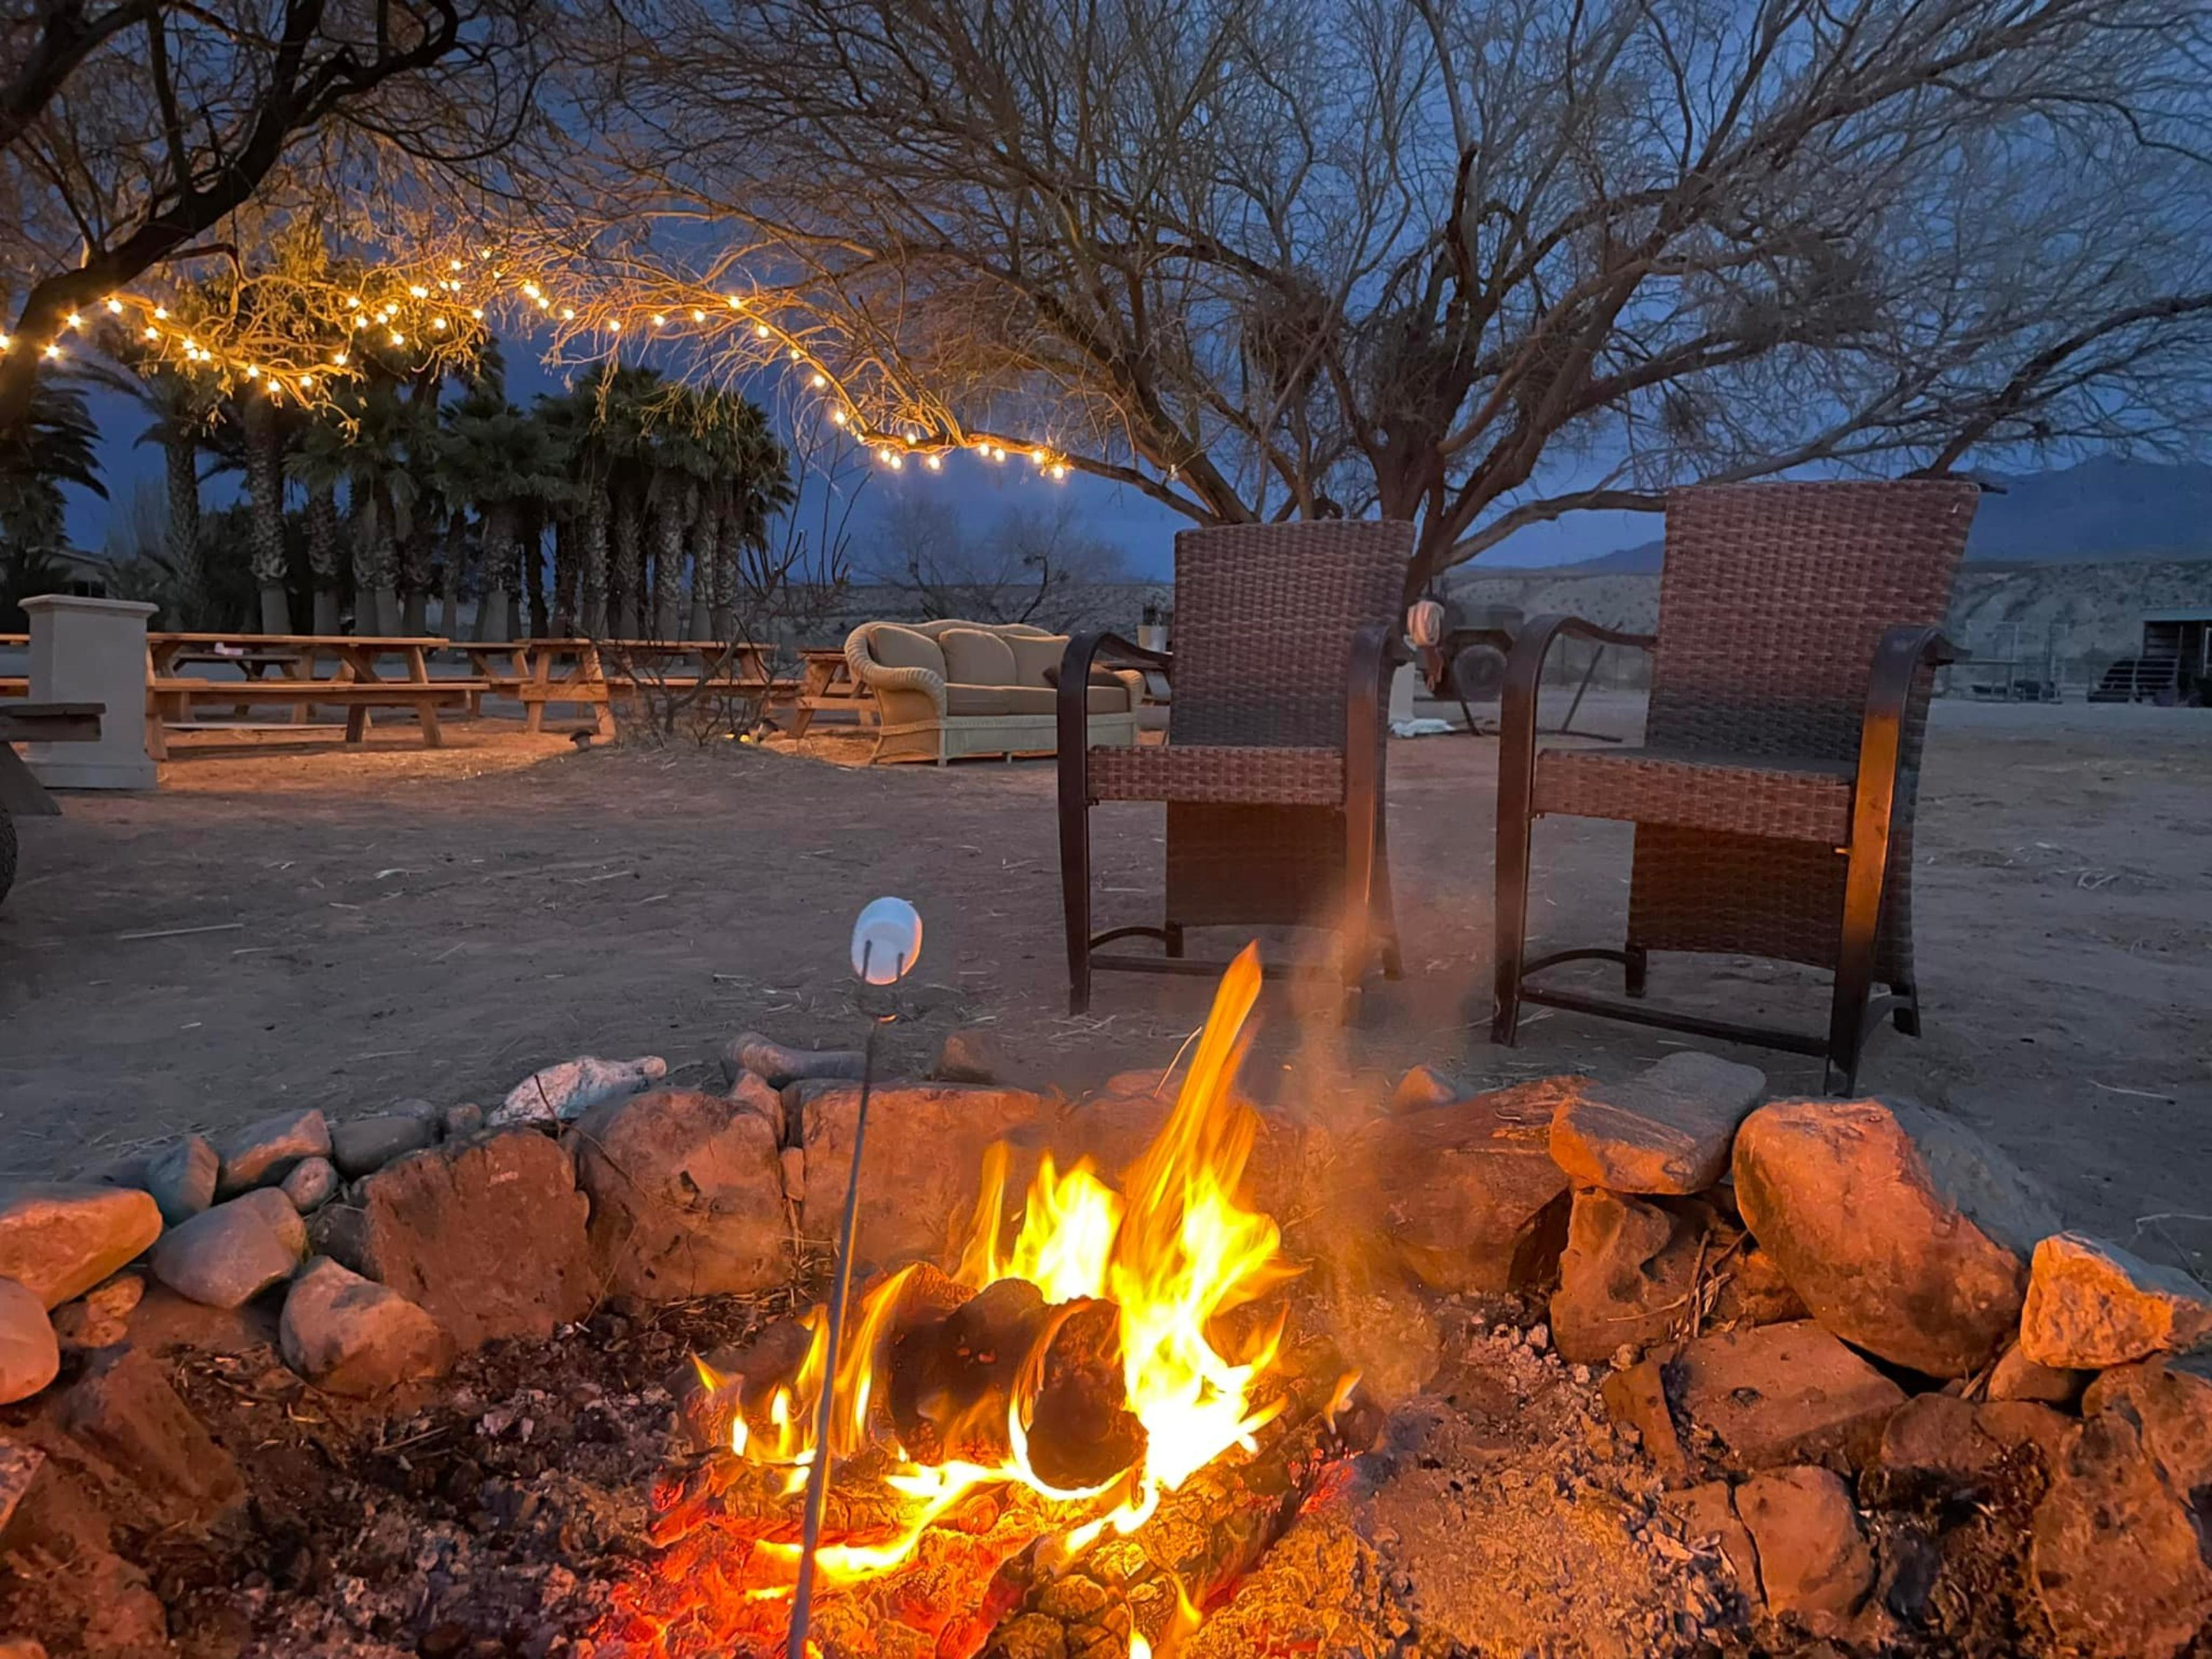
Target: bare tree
1476, 263
139, 136
1028, 567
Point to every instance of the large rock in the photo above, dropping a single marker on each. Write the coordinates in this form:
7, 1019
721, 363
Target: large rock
1938, 1439
2171, 1408
687, 1194
970, 1054
1667, 1129
262, 1154
2116, 1555
1465, 1197
749, 1051
312, 1184
1904, 1232
30, 1357
123, 1409
58, 1239
1632, 1270
1783, 1393
487, 1235
2015, 1377
565, 1092
363, 1145
226, 1256
182, 1177
2093, 1305
1813, 1558
921, 1165
354, 1336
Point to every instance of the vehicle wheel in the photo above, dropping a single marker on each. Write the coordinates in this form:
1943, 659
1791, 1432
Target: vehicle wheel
7, 852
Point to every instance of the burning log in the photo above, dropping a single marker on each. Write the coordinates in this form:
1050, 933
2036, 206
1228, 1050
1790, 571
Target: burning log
1082, 1433
1205, 1536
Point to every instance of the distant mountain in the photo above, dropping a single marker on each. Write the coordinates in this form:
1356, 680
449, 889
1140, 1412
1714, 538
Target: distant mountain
2093, 514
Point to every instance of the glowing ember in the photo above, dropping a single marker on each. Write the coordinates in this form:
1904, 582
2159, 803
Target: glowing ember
1171, 1254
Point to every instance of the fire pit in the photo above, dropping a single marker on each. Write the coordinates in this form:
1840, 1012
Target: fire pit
1075, 1442
1564, 1368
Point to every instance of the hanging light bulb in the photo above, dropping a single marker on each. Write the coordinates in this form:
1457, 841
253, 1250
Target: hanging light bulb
697, 315
1058, 470
152, 332
73, 320
398, 338
419, 291
934, 463
438, 323
161, 313
760, 330
252, 372
339, 358
115, 308
837, 417
568, 313
307, 383
52, 350
660, 321
819, 380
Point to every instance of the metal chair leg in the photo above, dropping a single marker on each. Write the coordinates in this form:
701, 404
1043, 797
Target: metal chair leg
1637, 970
1906, 1016
1075, 880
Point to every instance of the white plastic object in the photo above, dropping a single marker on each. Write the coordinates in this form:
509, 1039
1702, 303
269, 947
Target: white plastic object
886, 939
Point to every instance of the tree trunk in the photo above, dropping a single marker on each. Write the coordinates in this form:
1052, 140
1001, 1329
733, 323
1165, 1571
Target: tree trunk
265, 493
375, 567
541, 614
703, 523
449, 592
591, 578
499, 550
668, 525
568, 535
629, 563
325, 551
186, 557
415, 575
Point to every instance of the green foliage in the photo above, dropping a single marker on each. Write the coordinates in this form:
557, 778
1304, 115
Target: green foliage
52, 447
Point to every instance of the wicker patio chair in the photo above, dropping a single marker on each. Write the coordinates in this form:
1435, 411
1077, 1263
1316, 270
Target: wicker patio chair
1273, 771
1773, 795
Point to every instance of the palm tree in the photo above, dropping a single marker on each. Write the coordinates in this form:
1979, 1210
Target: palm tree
611, 418
182, 410
509, 465
266, 440
323, 461
52, 445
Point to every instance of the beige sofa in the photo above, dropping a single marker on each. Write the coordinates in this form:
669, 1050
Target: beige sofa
949, 689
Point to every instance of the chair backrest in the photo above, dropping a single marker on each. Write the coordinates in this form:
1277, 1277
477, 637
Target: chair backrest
1264, 616
1773, 597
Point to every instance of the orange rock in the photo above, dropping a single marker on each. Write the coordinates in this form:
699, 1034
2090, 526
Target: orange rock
2091, 1305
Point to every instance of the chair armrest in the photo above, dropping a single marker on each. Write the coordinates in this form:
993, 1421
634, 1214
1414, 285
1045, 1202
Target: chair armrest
1071, 700
1899, 658
1903, 653
867, 672
1377, 649
1524, 675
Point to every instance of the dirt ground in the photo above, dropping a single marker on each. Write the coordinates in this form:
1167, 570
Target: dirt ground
344, 928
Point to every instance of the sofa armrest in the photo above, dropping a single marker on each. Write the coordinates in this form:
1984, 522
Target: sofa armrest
895, 686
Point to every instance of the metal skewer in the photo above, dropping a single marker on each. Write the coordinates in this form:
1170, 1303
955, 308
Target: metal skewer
886, 939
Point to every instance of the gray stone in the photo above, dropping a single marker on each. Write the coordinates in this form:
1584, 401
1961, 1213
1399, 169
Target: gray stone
414, 1106
564, 1092
182, 1177
312, 1184
1903, 1231
1813, 1558
124, 1409
362, 1145
59, 1238
924, 1160
2015, 1377
226, 1256
1422, 1087
749, 1051
262, 1154
1667, 1129
2093, 1305
98, 1318
1784, 1394
2115, 1556
30, 1357
1465, 1197
460, 1121
486, 1235
687, 1194
352, 1336
971, 1055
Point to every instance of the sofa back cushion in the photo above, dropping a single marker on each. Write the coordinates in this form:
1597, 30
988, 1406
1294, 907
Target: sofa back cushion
1033, 654
902, 648
973, 657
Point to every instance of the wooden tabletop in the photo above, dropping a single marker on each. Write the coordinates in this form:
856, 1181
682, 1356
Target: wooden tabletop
328, 642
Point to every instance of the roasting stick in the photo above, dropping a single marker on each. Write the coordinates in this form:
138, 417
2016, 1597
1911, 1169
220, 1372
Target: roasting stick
888, 932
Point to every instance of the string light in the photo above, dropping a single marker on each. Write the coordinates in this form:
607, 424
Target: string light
836, 416
115, 308
819, 380
934, 463
72, 320
52, 350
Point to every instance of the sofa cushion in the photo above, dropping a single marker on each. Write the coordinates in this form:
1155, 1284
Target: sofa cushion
1034, 657
902, 648
1108, 699
978, 700
973, 657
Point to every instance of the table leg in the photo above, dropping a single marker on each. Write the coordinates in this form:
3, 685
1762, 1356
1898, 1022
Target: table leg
433, 736
540, 680
21, 795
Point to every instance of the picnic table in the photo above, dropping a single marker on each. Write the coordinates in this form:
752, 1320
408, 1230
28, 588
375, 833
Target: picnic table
358, 683
826, 682
592, 673
15, 685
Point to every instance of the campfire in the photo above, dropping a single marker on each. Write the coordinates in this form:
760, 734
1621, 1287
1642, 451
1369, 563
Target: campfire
994, 1427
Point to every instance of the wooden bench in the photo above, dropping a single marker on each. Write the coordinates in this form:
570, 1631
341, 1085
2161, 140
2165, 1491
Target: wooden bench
591, 674
175, 698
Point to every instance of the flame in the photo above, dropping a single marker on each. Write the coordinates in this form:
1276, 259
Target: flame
1173, 1251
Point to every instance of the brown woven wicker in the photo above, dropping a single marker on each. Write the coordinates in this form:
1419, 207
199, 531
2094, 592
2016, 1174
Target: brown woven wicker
1795, 620
1284, 633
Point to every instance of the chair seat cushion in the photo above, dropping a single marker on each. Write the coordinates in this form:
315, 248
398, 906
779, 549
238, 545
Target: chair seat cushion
1219, 773
1787, 801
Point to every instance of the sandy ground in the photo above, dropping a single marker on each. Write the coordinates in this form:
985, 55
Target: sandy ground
357, 927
